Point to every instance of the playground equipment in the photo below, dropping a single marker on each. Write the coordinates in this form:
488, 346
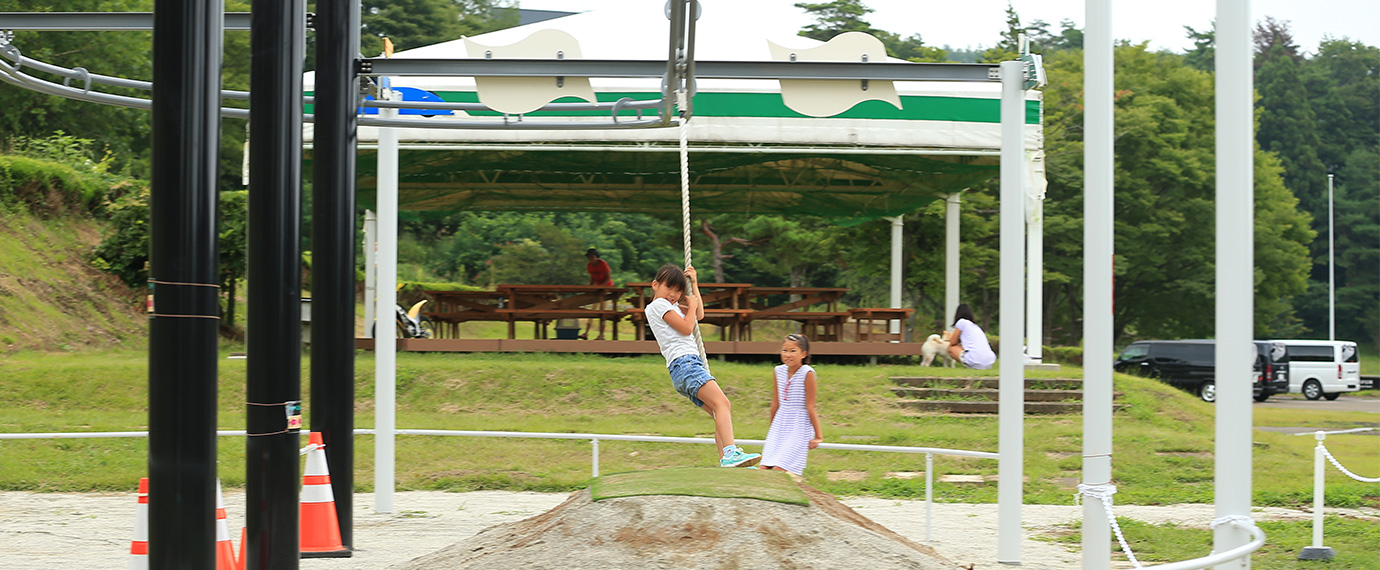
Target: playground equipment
183, 353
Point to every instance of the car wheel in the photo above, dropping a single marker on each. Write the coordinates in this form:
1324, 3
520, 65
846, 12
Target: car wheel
1312, 390
1331, 395
1261, 397
1208, 391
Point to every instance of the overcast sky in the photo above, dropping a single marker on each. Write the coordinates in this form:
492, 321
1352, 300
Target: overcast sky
979, 22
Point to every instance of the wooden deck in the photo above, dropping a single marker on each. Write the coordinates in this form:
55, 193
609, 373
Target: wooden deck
637, 346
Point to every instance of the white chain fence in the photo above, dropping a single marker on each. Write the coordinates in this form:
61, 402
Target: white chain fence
1344, 470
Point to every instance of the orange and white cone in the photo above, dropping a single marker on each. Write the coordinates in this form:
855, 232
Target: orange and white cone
225, 550
240, 562
320, 528
139, 547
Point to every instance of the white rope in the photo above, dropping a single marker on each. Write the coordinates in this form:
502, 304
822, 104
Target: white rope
1103, 493
685, 206
1245, 520
1344, 470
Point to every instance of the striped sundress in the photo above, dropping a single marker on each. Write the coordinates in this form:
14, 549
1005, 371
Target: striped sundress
788, 439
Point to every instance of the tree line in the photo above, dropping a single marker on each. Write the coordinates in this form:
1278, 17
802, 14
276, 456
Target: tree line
1317, 111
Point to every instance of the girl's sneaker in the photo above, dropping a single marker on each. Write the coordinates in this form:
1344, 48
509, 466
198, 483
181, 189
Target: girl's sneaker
735, 457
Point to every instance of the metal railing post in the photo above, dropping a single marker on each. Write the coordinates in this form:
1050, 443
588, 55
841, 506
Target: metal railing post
1317, 551
595, 444
929, 494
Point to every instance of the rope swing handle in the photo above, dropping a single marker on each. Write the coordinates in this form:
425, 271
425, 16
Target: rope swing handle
685, 206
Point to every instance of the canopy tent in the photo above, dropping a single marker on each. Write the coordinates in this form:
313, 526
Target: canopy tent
750, 152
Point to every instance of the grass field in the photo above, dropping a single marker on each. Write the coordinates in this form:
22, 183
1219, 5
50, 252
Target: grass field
1164, 438
1353, 540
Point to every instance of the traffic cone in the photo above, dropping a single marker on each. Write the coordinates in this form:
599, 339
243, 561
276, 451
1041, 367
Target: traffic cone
320, 528
139, 547
225, 550
244, 545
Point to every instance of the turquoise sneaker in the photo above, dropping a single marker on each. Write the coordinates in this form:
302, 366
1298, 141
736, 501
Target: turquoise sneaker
735, 457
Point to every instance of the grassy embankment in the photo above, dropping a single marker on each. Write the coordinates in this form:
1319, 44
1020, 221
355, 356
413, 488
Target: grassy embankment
1163, 439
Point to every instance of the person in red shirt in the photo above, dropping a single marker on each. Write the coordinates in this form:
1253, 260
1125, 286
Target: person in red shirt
599, 274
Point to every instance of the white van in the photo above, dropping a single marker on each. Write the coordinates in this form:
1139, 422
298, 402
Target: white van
1322, 368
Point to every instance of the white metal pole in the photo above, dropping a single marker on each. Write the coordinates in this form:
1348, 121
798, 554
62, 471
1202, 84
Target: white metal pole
595, 454
1035, 281
385, 345
371, 270
1331, 269
1011, 406
929, 495
1235, 273
1098, 235
896, 279
952, 221
1319, 473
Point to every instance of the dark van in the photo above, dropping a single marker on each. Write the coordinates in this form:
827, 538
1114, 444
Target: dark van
1191, 365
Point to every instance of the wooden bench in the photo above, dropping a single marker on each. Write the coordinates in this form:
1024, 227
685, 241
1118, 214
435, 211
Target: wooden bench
542, 317
826, 326
871, 316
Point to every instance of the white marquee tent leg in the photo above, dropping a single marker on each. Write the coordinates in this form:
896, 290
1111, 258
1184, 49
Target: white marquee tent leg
1011, 404
1098, 183
385, 345
1235, 276
951, 224
896, 280
1035, 279
371, 270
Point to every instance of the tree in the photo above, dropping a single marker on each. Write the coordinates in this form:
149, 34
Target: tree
839, 16
415, 23
1203, 56
835, 17
1164, 204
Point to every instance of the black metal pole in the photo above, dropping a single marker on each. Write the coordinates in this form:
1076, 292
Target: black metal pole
183, 260
277, 40
333, 249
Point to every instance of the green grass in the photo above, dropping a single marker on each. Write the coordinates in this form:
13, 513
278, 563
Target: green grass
1353, 539
773, 486
1163, 438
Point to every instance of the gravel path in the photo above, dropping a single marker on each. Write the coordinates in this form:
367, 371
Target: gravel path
79, 531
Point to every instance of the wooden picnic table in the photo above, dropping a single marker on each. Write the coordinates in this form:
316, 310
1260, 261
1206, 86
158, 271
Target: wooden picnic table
866, 318
725, 306
824, 325
542, 304
450, 308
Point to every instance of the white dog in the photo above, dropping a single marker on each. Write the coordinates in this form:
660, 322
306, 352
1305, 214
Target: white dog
935, 346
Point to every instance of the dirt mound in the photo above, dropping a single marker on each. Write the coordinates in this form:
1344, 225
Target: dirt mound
687, 533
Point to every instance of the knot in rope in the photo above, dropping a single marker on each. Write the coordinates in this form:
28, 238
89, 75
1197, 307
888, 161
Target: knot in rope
1103, 493
1231, 519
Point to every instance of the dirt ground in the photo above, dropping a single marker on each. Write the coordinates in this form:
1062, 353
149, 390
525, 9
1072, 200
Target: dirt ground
88, 531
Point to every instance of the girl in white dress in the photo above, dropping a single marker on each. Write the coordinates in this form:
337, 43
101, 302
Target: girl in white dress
795, 427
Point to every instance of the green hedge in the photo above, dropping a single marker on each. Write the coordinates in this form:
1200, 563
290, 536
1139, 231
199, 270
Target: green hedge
48, 188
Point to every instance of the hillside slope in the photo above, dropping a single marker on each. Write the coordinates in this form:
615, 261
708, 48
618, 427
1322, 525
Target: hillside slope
51, 298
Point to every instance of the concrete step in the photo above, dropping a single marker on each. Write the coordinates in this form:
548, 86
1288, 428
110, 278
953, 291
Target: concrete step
966, 407
987, 394
951, 382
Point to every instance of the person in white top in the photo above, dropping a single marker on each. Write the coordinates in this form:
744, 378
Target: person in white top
967, 343
795, 427
673, 327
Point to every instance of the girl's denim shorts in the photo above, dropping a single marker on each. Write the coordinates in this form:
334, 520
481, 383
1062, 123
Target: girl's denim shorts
688, 374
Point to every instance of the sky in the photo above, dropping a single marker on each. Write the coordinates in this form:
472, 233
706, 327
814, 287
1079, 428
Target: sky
974, 23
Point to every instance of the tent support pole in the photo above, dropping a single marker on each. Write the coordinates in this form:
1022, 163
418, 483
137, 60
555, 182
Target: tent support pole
897, 225
385, 330
951, 260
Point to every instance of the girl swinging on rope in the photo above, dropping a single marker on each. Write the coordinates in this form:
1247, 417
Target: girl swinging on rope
673, 324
